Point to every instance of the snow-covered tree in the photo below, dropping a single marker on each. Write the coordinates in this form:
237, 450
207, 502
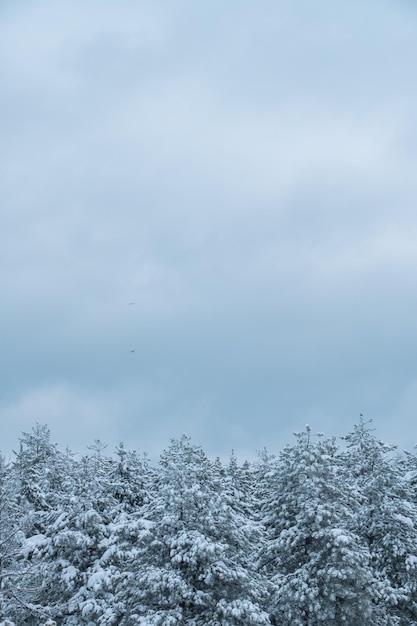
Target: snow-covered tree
19, 577
130, 478
385, 518
71, 543
11, 537
240, 483
189, 565
41, 470
129, 486
318, 567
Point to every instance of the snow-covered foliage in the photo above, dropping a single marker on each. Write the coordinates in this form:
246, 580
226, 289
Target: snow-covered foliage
385, 517
313, 537
318, 566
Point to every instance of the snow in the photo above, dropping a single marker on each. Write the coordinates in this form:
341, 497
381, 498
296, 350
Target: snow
229, 546
98, 579
404, 520
69, 573
32, 544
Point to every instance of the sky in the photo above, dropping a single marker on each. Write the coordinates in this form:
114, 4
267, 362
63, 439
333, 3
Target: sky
245, 174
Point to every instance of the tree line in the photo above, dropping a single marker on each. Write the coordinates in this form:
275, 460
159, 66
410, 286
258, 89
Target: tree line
321, 534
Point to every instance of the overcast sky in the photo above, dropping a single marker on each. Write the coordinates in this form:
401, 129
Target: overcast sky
245, 173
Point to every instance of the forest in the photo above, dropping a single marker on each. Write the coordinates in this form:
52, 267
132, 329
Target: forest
322, 533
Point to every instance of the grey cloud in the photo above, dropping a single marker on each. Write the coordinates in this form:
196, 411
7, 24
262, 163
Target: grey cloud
247, 178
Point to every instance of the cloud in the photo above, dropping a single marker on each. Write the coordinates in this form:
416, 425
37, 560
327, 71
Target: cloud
46, 39
69, 413
254, 196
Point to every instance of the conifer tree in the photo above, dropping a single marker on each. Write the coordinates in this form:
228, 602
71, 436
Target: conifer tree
15, 580
130, 480
130, 484
189, 566
41, 471
385, 518
317, 565
39, 474
71, 544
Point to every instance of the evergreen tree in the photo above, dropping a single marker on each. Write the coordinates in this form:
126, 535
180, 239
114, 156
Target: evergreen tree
240, 484
9, 542
130, 479
385, 518
189, 566
41, 470
317, 565
72, 543
15, 580
130, 484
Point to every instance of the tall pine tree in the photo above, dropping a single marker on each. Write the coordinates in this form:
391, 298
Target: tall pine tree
190, 563
318, 567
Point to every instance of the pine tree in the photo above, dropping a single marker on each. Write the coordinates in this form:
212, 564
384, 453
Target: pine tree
40, 470
385, 518
317, 565
71, 544
240, 483
189, 565
130, 485
130, 477
14, 579
37, 476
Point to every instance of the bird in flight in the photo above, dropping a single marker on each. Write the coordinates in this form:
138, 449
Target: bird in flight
132, 351
131, 303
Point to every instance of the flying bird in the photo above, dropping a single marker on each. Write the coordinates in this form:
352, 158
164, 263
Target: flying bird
130, 303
